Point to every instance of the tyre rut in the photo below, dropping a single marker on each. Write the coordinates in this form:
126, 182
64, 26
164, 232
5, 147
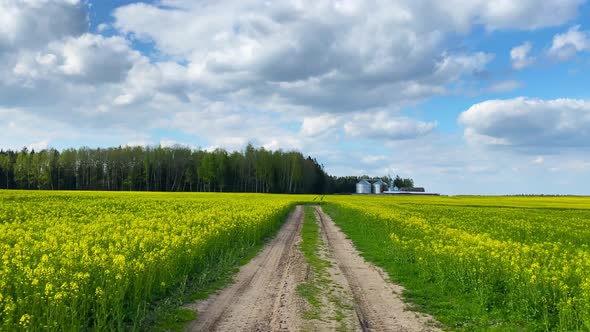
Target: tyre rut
263, 296
377, 302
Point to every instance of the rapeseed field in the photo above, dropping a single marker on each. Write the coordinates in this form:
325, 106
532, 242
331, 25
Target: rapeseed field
99, 260
90, 260
505, 263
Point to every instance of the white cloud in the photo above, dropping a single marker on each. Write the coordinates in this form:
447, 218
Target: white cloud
502, 14
323, 56
102, 27
384, 126
37, 146
33, 23
20, 128
538, 160
305, 58
141, 143
529, 125
504, 86
319, 125
373, 159
87, 59
519, 55
566, 45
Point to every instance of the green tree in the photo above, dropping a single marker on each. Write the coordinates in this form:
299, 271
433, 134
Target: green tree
22, 169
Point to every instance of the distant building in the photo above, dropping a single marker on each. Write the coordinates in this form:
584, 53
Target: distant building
363, 187
378, 186
413, 189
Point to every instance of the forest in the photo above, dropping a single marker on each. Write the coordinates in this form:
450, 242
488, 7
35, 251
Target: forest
177, 168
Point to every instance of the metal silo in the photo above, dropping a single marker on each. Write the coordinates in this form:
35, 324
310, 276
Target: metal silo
378, 186
363, 187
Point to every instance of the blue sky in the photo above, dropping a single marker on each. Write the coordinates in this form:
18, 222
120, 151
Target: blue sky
466, 97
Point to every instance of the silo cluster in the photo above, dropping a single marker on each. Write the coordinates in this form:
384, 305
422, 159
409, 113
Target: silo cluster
366, 187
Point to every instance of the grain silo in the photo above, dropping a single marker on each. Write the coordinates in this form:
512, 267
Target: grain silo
378, 186
363, 187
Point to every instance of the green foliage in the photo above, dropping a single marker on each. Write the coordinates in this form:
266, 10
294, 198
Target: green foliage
100, 261
480, 263
318, 283
176, 320
311, 289
176, 168
403, 183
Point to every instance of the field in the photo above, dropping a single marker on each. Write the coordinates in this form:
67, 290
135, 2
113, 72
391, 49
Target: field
87, 259
107, 261
505, 263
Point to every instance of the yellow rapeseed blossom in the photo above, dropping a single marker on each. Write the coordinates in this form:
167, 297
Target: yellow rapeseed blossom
70, 258
533, 253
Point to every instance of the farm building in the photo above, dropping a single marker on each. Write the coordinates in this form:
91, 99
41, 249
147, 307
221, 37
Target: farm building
413, 189
378, 186
363, 187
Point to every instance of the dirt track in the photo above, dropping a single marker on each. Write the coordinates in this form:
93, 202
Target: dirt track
377, 302
264, 296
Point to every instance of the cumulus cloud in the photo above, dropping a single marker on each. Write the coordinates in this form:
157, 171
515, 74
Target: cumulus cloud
20, 128
384, 126
327, 57
566, 45
330, 57
50, 65
77, 77
319, 125
309, 57
529, 125
500, 14
34, 23
519, 55
87, 59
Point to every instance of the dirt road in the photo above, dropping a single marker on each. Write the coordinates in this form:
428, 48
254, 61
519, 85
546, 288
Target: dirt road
264, 296
377, 302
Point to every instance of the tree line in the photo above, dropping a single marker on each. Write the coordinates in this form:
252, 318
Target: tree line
177, 168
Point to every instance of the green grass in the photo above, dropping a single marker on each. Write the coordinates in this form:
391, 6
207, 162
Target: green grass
452, 309
494, 298
318, 284
167, 314
311, 289
176, 320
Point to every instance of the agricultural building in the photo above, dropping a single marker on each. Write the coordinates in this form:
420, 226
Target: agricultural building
363, 187
378, 186
413, 189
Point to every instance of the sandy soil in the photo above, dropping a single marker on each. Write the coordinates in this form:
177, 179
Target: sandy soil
263, 297
377, 302
359, 296
338, 306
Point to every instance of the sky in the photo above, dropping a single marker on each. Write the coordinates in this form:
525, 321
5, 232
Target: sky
463, 96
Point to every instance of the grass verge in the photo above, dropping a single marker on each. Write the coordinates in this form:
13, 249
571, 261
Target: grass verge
167, 314
454, 309
317, 285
